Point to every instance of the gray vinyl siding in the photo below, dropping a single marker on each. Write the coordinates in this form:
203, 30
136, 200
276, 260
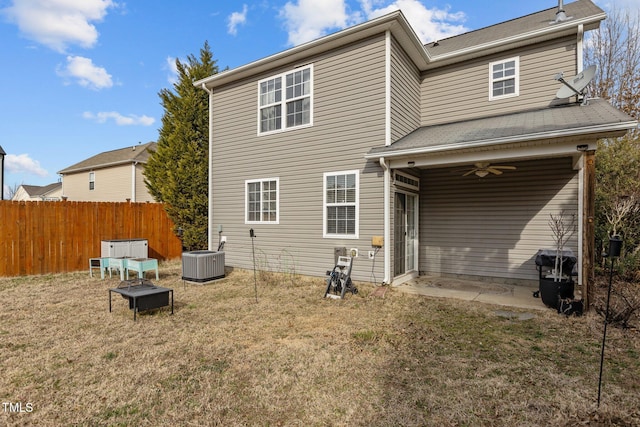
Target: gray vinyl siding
493, 226
348, 119
405, 94
461, 92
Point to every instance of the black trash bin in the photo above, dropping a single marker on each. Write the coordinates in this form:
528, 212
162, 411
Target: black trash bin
550, 289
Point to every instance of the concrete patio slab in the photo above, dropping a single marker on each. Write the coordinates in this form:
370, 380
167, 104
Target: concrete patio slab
520, 296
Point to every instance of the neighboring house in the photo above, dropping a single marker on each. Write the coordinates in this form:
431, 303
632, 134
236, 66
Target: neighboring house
368, 133
112, 176
51, 192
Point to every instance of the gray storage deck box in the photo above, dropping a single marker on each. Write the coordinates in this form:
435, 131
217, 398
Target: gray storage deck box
119, 248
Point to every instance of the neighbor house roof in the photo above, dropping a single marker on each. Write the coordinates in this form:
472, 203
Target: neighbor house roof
136, 153
527, 30
41, 191
598, 118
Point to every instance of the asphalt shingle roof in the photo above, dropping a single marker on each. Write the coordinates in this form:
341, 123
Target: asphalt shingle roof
136, 153
37, 190
550, 122
509, 29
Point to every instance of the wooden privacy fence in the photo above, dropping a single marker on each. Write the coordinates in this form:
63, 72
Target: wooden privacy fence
56, 237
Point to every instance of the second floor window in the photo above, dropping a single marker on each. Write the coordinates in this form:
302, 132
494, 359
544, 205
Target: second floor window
504, 78
92, 180
285, 101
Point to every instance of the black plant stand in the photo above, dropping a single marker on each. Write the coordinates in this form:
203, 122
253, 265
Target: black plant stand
550, 290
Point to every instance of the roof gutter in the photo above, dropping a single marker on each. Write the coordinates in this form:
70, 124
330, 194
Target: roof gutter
394, 22
397, 23
100, 166
566, 26
618, 127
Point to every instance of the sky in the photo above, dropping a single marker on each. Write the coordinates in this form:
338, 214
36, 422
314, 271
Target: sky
80, 77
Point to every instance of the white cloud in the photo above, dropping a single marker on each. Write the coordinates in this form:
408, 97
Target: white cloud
632, 6
118, 118
235, 19
306, 20
429, 24
172, 77
22, 163
86, 73
59, 23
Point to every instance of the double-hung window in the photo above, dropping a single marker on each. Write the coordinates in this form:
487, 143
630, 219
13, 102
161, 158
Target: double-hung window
261, 201
341, 194
92, 180
286, 101
504, 78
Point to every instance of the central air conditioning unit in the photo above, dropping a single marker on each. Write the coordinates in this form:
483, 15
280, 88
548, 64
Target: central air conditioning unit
202, 266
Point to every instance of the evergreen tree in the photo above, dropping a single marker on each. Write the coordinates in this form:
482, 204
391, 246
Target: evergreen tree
177, 172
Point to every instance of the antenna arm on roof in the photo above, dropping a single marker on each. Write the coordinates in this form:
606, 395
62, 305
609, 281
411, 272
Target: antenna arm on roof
564, 82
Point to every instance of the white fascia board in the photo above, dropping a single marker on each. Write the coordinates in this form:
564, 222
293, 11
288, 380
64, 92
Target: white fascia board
99, 166
394, 22
583, 131
567, 28
514, 152
397, 23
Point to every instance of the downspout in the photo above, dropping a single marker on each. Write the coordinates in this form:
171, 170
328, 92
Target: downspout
385, 167
210, 242
580, 49
387, 221
387, 89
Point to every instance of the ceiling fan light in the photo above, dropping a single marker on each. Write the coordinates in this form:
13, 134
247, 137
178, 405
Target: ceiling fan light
482, 173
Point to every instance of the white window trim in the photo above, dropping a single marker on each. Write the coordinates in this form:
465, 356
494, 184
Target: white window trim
246, 200
283, 102
324, 205
516, 77
92, 180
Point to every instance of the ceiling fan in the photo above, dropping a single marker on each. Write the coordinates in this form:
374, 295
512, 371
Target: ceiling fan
483, 169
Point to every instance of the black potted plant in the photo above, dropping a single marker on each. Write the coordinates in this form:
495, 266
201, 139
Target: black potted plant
558, 284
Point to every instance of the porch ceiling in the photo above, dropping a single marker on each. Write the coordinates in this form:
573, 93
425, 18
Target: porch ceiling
547, 132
